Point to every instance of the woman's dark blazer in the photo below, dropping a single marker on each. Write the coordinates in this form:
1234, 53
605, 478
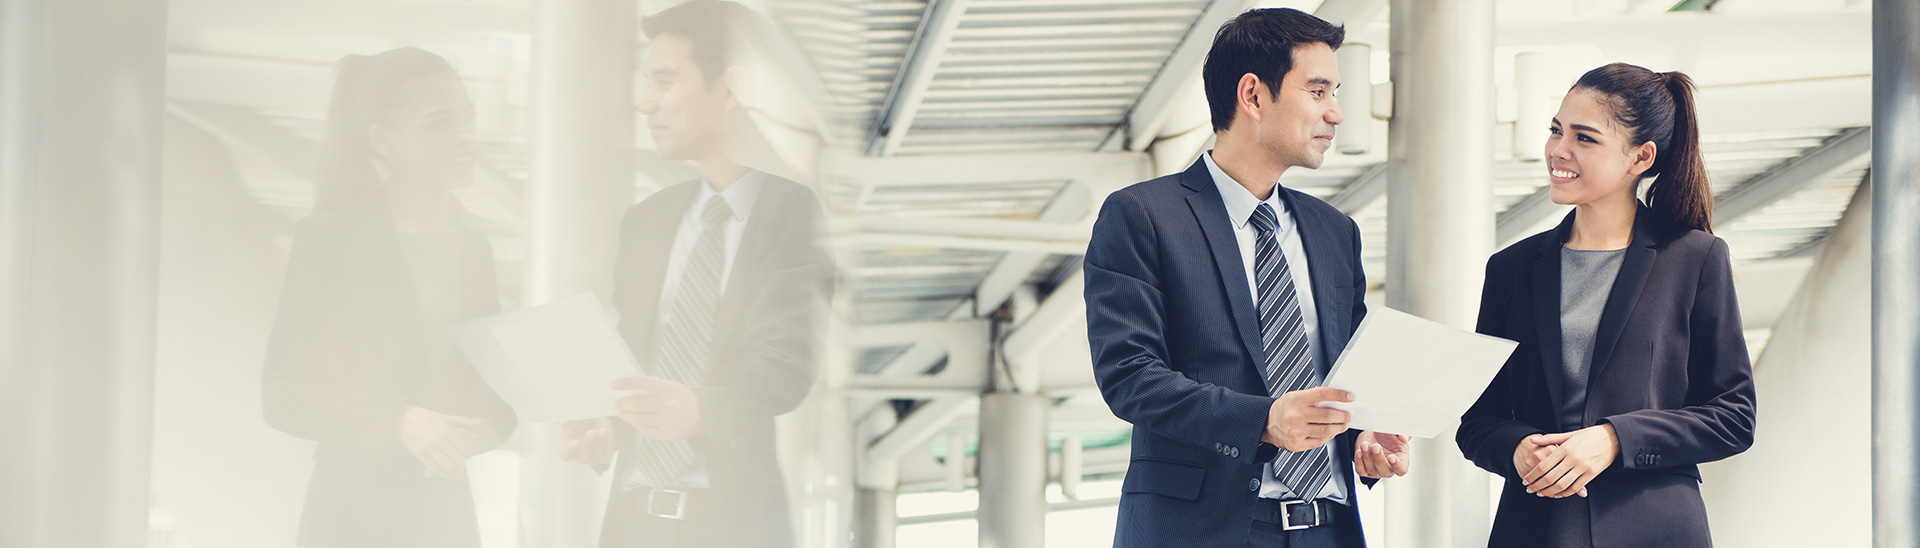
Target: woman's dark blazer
1670, 373
349, 351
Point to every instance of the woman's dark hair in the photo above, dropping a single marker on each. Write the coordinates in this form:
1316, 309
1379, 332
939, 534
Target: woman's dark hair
366, 89
1657, 107
1259, 42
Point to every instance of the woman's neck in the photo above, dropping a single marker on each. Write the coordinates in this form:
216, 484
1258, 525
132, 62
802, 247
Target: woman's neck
1603, 225
421, 208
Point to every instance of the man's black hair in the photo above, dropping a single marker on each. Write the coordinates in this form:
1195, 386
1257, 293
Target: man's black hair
1260, 42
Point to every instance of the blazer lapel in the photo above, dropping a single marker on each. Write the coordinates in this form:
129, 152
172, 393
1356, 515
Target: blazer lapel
1546, 308
655, 237
1626, 290
1323, 254
1211, 213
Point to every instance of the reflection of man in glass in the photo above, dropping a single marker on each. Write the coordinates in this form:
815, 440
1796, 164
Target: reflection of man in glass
361, 359
722, 288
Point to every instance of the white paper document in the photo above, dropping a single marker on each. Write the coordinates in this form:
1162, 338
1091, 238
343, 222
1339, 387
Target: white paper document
552, 362
1412, 376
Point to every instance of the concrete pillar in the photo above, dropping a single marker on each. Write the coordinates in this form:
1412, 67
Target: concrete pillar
877, 517
1896, 273
1440, 232
82, 85
581, 181
1013, 470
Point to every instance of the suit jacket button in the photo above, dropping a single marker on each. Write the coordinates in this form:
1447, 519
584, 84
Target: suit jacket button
1235, 453
1217, 446
1253, 484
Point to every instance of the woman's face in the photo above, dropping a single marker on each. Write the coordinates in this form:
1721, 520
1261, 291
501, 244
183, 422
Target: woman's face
1588, 156
427, 139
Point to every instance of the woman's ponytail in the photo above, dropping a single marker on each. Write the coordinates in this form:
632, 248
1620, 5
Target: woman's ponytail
1681, 194
1658, 108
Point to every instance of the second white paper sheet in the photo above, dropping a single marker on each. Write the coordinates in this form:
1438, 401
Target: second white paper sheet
1412, 376
551, 362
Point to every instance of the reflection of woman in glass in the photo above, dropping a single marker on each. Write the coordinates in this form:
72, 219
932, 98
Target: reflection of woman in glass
361, 360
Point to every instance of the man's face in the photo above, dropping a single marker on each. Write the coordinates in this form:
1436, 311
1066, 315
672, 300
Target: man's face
1297, 128
685, 113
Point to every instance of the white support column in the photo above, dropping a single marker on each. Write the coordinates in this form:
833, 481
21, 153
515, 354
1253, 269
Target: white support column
81, 100
878, 518
581, 181
1896, 273
1013, 447
1013, 470
1440, 232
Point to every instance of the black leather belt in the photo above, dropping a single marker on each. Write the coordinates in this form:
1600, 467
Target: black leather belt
1294, 515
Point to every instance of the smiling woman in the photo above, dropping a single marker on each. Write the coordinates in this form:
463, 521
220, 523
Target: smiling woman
1620, 125
1630, 336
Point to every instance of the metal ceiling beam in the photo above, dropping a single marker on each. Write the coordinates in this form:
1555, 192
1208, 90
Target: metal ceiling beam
1180, 72
1095, 169
1009, 229
915, 76
1520, 220
1368, 186
1182, 69
1066, 306
910, 240
1843, 152
241, 126
918, 427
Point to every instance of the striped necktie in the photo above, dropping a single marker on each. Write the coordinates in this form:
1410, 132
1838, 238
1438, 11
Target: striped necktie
684, 347
1289, 357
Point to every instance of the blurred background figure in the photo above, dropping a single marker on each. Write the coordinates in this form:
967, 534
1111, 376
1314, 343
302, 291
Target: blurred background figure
722, 287
361, 359
157, 158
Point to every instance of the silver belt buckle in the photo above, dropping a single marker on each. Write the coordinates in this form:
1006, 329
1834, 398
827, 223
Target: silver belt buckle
678, 504
1286, 516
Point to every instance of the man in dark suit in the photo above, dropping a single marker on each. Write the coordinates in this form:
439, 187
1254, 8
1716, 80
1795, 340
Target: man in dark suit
722, 287
1216, 302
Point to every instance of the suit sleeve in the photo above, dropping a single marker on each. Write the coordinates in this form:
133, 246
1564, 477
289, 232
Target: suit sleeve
305, 391
1718, 420
1488, 432
1126, 329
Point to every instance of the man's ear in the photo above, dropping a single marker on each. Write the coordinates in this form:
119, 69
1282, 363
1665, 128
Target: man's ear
729, 83
1247, 95
1643, 157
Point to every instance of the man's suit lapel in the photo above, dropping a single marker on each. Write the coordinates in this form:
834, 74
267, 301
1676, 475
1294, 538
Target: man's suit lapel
654, 240
1324, 253
1211, 213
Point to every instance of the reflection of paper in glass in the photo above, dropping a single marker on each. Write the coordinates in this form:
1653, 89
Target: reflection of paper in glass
1412, 376
551, 362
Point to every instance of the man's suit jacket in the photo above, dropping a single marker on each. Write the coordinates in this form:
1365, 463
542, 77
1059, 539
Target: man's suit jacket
1670, 372
1177, 347
767, 340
